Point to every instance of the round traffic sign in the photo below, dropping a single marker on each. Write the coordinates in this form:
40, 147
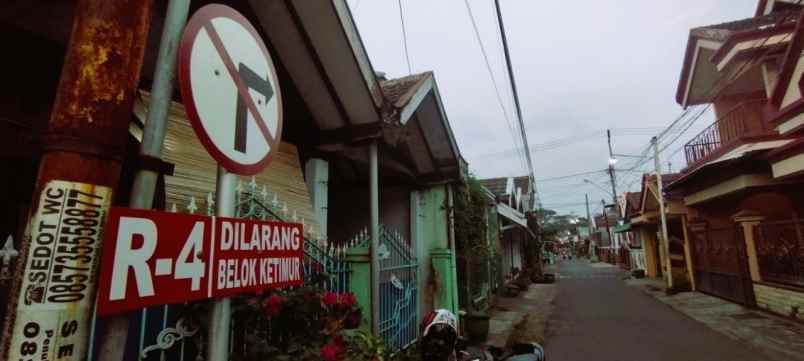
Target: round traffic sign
230, 89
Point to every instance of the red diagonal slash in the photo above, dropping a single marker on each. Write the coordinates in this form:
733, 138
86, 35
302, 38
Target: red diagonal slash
241, 88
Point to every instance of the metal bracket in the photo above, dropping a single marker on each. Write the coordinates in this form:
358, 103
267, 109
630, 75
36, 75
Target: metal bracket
169, 336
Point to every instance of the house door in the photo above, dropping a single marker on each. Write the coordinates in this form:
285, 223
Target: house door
720, 262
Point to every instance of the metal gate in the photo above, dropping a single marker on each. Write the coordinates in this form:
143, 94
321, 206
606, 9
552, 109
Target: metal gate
161, 333
399, 306
720, 263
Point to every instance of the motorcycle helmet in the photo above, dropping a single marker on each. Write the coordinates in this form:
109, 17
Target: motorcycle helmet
439, 335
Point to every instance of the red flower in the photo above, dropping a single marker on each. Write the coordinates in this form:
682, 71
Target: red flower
330, 299
348, 300
331, 352
309, 295
353, 320
273, 304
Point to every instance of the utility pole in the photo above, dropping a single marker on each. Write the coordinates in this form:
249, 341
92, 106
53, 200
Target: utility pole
78, 175
665, 242
516, 98
611, 174
588, 217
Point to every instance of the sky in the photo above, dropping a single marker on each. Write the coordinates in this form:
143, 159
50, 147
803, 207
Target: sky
580, 66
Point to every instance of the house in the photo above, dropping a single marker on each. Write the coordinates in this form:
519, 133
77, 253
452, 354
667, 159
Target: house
513, 196
606, 241
742, 184
630, 253
647, 221
346, 130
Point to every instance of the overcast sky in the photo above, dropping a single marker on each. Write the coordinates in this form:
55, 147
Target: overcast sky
581, 67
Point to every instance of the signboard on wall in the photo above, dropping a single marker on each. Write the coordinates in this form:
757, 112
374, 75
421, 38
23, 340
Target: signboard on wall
154, 258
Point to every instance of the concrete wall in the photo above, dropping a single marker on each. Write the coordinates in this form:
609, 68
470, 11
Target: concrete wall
779, 300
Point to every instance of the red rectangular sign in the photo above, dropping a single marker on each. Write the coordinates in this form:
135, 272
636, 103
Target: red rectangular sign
153, 258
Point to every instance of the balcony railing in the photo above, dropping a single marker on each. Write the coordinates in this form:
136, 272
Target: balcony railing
740, 122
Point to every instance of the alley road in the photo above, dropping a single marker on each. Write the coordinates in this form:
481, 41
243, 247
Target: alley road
597, 317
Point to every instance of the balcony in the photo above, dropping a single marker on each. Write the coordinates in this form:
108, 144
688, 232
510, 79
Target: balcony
742, 122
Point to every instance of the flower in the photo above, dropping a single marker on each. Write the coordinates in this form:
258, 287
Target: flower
273, 304
330, 299
309, 295
352, 321
331, 352
348, 300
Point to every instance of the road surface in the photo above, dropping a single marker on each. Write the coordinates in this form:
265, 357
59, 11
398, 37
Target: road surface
597, 317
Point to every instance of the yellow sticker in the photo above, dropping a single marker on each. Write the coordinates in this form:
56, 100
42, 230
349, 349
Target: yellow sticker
55, 303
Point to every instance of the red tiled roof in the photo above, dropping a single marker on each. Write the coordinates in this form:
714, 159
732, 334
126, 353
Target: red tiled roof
398, 92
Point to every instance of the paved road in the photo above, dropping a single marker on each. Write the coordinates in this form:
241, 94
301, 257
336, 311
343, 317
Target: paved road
599, 318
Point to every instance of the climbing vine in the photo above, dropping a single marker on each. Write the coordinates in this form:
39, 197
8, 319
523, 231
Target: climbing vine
470, 209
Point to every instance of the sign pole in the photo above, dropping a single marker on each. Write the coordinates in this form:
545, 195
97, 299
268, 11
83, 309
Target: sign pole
77, 176
221, 317
112, 346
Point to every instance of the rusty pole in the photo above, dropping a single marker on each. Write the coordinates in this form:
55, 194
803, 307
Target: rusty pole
86, 140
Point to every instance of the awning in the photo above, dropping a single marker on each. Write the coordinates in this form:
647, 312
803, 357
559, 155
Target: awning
620, 228
512, 214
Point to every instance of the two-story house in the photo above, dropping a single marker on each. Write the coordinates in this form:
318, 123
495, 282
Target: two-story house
742, 187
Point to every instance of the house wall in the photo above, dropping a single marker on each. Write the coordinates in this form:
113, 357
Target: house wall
650, 243
733, 113
348, 211
437, 278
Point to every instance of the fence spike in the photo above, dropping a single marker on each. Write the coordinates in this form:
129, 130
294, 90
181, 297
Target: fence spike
192, 207
285, 209
8, 252
253, 184
264, 193
295, 217
173, 208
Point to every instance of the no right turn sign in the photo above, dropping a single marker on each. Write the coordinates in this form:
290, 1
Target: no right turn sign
230, 89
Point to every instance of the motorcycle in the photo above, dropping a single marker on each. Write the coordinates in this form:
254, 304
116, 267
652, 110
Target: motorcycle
440, 342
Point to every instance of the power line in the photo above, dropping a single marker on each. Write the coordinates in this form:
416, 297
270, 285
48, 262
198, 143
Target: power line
404, 36
570, 175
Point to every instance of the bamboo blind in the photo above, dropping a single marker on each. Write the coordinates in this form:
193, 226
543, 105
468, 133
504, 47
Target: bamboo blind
195, 170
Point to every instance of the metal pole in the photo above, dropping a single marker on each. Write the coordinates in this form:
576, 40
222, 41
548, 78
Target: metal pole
87, 133
374, 186
220, 318
589, 221
611, 175
608, 230
112, 345
665, 240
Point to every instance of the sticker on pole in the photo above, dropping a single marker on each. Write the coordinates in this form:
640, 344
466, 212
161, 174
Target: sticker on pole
54, 306
230, 89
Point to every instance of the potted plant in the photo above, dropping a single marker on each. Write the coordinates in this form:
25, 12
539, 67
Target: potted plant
476, 326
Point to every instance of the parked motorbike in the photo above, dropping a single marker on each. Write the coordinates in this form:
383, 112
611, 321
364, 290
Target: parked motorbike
440, 342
